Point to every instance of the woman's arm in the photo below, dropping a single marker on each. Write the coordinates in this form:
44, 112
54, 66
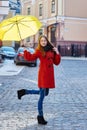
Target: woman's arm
57, 56
57, 59
28, 56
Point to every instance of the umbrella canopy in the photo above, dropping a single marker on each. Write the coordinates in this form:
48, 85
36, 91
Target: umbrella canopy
19, 27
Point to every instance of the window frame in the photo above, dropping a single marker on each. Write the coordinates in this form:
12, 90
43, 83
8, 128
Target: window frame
53, 6
29, 10
40, 9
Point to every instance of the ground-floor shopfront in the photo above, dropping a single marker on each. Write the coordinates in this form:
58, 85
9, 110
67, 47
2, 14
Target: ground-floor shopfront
55, 33
72, 48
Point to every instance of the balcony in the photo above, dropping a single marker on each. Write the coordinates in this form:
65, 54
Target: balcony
4, 9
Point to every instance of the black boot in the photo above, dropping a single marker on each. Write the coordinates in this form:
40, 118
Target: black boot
20, 93
41, 120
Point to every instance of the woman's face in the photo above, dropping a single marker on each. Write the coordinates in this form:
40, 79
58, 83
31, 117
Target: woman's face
43, 42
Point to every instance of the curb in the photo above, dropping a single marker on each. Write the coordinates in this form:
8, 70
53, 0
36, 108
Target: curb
74, 58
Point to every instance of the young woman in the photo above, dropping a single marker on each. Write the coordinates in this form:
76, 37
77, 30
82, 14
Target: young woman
48, 56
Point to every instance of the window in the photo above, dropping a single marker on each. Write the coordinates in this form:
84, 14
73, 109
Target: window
53, 38
29, 11
28, 39
41, 31
53, 6
40, 9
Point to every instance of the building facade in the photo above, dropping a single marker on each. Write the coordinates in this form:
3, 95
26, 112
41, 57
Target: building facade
64, 22
4, 9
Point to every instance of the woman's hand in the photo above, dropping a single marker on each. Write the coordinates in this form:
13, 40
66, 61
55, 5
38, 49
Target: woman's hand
25, 49
56, 50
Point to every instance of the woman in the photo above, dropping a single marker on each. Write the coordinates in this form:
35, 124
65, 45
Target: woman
48, 55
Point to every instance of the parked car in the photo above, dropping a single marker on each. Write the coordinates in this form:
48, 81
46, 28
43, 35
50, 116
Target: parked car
1, 59
19, 57
7, 52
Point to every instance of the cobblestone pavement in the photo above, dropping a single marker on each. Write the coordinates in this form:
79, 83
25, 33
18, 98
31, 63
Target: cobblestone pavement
65, 108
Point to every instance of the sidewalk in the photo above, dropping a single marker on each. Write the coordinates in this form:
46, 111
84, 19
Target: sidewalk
74, 58
65, 107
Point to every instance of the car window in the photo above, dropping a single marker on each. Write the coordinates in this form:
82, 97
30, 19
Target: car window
31, 50
20, 50
8, 49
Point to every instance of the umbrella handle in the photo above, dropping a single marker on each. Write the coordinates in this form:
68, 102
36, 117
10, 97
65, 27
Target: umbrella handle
51, 44
22, 43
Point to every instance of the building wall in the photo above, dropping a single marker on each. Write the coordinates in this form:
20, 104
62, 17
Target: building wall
75, 20
75, 8
4, 8
75, 29
25, 7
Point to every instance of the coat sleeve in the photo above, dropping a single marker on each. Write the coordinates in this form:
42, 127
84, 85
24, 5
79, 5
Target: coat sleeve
30, 57
57, 59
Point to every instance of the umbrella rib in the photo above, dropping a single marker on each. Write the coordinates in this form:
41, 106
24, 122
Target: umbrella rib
19, 31
27, 26
11, 22
9, 28
8, 25
23, 25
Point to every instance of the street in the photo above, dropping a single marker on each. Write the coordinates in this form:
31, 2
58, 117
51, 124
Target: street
65, 108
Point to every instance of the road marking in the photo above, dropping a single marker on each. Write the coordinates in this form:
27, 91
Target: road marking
29, 80
10, 69
74, 58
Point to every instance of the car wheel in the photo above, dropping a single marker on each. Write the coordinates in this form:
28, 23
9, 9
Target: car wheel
35, 64
16, 63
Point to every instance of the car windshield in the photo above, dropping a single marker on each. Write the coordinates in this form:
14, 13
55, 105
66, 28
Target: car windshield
29, 49
8, 49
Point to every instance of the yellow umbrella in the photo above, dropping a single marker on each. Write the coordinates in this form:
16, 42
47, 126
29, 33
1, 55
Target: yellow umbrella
1, 34
19, 27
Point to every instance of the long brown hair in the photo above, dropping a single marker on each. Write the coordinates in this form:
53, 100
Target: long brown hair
39, 47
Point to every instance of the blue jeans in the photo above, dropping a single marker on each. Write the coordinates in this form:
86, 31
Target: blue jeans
43, 92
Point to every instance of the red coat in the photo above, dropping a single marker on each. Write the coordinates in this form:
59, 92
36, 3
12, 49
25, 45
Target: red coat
46, 69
